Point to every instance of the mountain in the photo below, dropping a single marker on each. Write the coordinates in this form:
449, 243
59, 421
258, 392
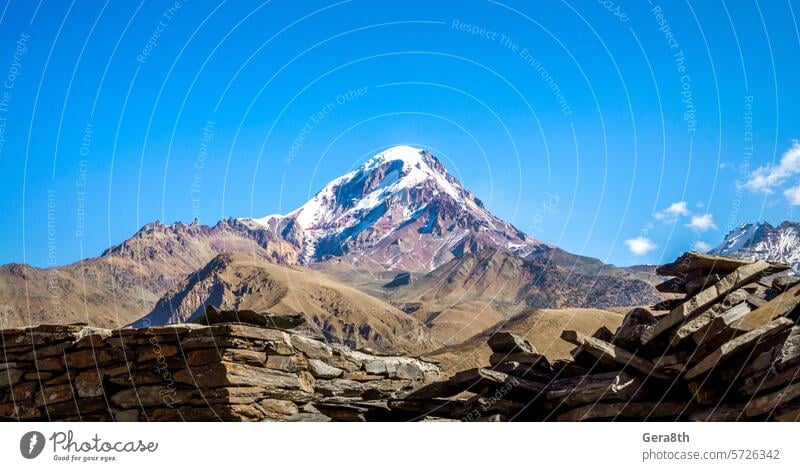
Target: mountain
763, 241
400, 216
401, 210
124, 282
340, 313
510, 283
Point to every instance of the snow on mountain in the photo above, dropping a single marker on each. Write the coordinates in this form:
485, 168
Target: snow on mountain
765, 242
400, 210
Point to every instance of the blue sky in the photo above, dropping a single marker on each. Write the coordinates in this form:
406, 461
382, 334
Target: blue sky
581, 123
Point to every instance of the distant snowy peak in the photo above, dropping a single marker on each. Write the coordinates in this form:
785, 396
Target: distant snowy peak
765, 242
399, 205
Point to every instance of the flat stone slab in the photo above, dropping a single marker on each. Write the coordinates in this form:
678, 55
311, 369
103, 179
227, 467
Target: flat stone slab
609, 352
733, 346
691, 261
697, 304
507, 342
213, 316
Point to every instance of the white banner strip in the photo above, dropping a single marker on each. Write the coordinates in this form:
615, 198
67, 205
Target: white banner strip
399, 446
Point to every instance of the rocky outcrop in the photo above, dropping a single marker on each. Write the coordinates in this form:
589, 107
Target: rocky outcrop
189, 372
727, 351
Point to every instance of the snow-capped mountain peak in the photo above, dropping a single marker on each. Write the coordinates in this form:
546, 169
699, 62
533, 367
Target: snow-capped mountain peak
402, 209
383, 176
763, 241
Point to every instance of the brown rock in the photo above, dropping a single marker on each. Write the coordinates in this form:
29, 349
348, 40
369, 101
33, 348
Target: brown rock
54, 394
312, 348
156, 351
672, 285
212, 355
212, 413
268, 320
732, 346
339, 387
702, 282
718, 413
142, 378
288, 363
232, 374
507, 342
608, 352
149, 396
130, 415
521, 357
592, 388
361, 376
651, 410
83, 409
782, 283
10, 377
720, 322
93, 358
50, 364
23, 391
89, 384
279, 407
693, 261
277, 341
322, 370
20, 411
770, 402
787, 413
780, 305
741, 276
636, 321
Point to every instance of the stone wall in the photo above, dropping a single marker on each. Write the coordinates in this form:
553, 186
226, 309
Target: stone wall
228, 371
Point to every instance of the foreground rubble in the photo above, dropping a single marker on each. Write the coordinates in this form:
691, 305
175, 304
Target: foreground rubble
726, 349
254, 368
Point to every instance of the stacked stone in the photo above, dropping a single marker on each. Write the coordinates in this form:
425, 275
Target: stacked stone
190, 372
727, 349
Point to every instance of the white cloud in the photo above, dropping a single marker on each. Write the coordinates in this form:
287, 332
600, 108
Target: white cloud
674, 210
701, 246
702, 223
640, 245
793, 195
765, 179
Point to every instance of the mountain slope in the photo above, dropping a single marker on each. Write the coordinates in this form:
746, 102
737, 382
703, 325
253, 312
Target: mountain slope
511, 283
763, 241
339, 312
124, 282
401, 210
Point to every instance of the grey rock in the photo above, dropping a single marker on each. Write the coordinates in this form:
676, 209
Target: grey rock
320, 369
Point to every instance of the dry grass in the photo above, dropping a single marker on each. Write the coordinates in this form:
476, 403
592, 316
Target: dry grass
542, 327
